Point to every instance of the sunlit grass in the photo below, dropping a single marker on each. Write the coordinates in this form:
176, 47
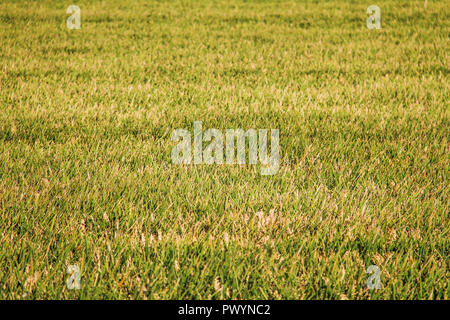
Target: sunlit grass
86, 176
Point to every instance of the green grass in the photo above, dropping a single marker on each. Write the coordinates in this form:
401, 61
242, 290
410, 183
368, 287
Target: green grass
86, 176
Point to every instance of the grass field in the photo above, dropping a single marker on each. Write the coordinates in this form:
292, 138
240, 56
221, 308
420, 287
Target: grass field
86, 176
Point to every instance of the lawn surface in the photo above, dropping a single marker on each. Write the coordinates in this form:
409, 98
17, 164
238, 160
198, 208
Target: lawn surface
86, 176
